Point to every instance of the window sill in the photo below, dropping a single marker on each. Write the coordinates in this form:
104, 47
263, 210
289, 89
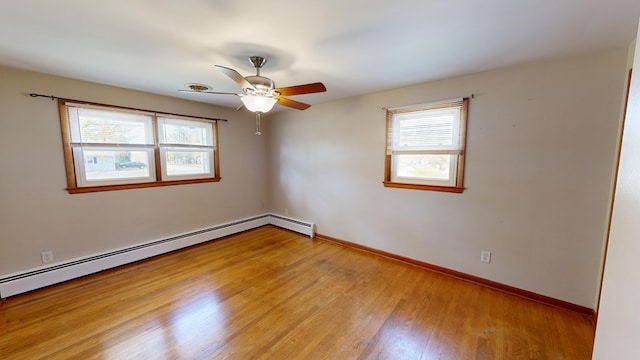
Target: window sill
451, 189
89, 189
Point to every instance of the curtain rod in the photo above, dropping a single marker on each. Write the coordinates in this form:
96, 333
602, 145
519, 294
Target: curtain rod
124, 107
472, 96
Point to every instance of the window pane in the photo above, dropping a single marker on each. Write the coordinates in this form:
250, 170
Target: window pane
428, 167
188, 162
111, 127
185, 132
101, 165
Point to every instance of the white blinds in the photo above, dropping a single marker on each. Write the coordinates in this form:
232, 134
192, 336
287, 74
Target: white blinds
92, 125
431, 128
184, 132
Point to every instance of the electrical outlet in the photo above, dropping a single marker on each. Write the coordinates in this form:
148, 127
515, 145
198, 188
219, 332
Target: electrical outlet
47, 256
485, 256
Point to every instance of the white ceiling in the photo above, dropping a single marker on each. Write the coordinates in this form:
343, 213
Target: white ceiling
352, 46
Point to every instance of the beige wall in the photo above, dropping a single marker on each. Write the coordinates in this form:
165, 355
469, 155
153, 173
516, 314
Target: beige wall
619, 312
541, 143
37, 214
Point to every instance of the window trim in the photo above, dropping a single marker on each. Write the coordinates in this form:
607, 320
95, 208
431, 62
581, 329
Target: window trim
70, 166
388, 163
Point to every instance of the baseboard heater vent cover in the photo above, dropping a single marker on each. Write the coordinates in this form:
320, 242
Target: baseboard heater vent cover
17, 283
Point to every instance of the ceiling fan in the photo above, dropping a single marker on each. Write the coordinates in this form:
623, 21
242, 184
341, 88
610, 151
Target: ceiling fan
259, 93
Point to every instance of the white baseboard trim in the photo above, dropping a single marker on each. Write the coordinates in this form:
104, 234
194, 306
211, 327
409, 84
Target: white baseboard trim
17, 283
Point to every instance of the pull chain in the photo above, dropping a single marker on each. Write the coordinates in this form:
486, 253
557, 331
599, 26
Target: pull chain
258, 132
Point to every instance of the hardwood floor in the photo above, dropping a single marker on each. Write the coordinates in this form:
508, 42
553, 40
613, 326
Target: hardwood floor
274, 294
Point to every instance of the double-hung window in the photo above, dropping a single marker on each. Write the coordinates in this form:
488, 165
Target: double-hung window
426, 146
111, 148
186, 148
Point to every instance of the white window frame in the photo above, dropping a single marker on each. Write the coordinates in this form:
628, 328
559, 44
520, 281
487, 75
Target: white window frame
166, 146
79, 145
455, 182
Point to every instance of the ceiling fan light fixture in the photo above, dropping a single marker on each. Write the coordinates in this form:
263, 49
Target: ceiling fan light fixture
258, 103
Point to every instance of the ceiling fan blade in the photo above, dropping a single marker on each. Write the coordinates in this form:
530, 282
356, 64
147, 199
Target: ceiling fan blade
235, 76
208, 92
240, 107
292, 103
302, 89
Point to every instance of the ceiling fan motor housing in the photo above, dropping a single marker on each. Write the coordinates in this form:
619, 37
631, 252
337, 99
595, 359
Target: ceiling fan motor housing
263, 85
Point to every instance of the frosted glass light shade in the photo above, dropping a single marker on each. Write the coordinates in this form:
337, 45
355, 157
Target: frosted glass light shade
257, 103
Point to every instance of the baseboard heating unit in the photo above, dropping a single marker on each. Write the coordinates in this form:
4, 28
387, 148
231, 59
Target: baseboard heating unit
13, 284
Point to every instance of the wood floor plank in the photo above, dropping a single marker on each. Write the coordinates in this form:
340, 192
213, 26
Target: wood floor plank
274, 294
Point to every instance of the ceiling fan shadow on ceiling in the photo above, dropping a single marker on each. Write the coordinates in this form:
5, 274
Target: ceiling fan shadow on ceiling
259, 93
